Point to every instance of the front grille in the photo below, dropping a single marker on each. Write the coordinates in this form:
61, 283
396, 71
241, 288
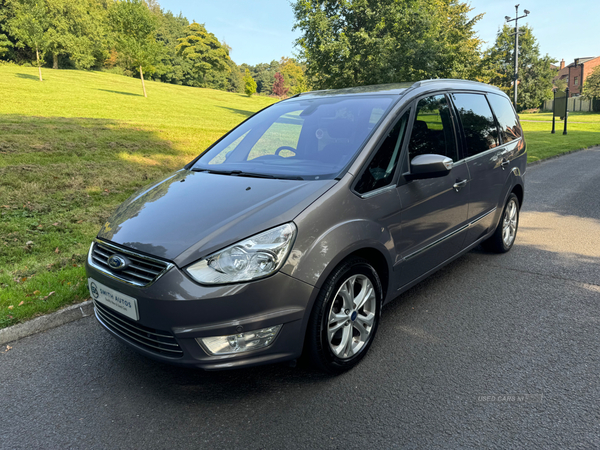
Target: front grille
141, 271
156, 341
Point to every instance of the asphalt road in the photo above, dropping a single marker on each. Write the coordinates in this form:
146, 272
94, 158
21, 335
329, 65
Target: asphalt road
494, 351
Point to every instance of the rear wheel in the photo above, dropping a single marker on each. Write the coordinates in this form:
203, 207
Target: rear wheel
345, 317
504, 237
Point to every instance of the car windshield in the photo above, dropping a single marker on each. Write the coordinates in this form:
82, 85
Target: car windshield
298, 139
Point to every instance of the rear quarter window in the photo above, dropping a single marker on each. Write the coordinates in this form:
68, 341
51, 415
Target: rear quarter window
507, 118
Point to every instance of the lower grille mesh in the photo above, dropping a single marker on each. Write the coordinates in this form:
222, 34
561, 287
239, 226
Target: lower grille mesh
160, 342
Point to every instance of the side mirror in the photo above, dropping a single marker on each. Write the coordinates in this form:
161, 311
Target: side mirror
429, 166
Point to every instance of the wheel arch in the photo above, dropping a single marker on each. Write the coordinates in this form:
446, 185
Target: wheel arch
371, 253
368, 251
519, 192
315, 344
379, 263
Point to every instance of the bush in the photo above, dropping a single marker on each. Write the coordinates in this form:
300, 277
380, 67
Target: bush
116, 70
249, 84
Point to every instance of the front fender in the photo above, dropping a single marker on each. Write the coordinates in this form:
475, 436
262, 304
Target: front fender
314, 257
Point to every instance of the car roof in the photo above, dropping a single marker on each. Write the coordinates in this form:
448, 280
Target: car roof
392, 88
400, 88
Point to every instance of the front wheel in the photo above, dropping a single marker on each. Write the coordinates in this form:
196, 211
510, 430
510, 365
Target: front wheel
345, 317
504, 237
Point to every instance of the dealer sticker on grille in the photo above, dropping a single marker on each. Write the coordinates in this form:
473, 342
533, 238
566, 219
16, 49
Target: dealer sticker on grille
122, 303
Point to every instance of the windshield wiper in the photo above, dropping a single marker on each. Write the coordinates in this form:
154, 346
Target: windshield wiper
266, 175
241, 173
218, 172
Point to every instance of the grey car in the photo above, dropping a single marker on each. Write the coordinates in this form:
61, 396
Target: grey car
288, 235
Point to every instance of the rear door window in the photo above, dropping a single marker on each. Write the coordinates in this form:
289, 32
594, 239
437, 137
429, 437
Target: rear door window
478, 123
507, 118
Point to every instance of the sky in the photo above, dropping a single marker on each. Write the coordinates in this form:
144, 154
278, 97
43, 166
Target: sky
259, 31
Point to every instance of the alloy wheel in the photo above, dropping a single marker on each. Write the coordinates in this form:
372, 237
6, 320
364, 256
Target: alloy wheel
509, 224
351, 316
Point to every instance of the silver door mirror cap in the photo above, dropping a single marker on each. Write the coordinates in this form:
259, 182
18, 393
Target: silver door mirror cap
430, 166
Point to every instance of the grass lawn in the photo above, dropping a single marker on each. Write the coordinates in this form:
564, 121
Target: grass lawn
71, 149
541, 144
588, 117
75, 146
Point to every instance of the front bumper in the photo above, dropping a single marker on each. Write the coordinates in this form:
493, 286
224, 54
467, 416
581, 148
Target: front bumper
175, 305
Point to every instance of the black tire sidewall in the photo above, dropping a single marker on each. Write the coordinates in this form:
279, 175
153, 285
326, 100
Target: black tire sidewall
321, 353
496, 243
506, 248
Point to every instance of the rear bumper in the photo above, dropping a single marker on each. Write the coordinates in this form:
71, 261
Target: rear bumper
176, 306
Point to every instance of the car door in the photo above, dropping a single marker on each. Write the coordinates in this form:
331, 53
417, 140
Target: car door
435, 210
486, 160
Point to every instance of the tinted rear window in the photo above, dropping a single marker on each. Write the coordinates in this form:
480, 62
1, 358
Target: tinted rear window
478, 122
509, 125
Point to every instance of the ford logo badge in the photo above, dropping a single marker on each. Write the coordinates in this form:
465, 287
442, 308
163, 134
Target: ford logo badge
117, 262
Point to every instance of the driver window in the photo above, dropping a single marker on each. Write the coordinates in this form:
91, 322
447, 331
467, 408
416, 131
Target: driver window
281, 138
432, 132
380, 171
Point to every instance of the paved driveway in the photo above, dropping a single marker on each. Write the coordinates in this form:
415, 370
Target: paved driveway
492, 351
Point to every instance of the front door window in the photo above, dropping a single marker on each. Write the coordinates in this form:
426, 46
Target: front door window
432, 131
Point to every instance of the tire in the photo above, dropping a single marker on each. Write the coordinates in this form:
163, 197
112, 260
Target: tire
339, 333
506, 232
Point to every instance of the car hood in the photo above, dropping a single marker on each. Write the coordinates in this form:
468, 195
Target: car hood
189, 215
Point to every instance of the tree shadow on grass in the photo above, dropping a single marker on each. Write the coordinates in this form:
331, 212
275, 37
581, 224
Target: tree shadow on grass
120, 92
239, 111
68, 175
100, 153
27, 76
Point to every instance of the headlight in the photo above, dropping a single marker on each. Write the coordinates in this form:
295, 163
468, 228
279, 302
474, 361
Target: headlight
255, 257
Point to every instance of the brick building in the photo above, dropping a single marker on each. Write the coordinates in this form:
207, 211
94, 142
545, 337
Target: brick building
576, 73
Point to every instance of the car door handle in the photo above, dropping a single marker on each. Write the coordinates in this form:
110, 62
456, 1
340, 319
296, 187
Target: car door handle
504, 163
460, 184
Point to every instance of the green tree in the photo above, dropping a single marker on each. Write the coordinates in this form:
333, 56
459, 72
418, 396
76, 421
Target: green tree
205, 53
264, 75
264, 80
535, 71
171, 67
27, 23
135, 27
76, 29
591, 86
559, 84
235, 81
294, 76
249, 84
360, 42
5, 44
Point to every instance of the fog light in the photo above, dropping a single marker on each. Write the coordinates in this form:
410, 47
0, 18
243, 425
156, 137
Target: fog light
238, 343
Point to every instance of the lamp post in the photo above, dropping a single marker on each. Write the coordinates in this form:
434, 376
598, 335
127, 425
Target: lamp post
516, 33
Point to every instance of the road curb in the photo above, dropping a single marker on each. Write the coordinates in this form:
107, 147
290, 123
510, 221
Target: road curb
43, 323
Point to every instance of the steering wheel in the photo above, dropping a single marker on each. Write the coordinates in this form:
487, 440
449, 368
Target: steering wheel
284, 147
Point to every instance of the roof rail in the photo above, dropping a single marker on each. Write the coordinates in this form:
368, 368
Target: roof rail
454, 80
408, 87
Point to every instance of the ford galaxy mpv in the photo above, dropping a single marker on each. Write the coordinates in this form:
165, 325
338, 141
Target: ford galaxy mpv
288, 235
